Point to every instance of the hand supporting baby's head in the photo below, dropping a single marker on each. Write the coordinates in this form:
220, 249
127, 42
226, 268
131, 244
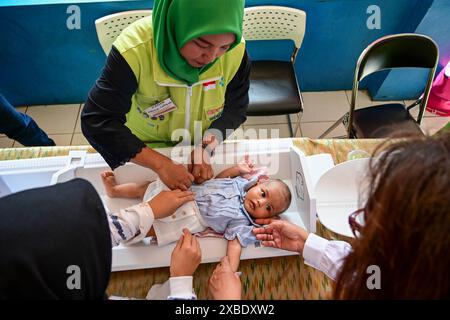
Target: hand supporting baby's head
267, 199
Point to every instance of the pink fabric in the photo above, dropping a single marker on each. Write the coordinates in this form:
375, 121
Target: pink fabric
439, 100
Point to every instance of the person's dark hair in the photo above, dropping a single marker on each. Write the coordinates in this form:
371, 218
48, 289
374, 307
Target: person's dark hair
407, 224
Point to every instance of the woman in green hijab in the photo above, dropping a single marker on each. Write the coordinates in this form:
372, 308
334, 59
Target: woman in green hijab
179, 77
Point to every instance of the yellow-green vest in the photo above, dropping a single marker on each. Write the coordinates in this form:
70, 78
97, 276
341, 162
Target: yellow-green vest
202, 101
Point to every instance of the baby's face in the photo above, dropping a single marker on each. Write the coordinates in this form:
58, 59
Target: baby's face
264, 200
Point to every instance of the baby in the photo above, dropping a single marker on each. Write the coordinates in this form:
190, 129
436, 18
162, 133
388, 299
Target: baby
227, 204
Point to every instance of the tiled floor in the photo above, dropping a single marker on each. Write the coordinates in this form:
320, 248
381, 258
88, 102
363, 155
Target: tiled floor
322, 109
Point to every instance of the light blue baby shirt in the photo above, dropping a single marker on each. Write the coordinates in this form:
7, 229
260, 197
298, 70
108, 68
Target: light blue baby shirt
221, 204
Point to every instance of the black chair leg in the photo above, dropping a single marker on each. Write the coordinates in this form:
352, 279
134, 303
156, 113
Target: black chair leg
291, 131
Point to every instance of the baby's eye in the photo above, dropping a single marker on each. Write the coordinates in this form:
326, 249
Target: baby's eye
268, 208
263, 194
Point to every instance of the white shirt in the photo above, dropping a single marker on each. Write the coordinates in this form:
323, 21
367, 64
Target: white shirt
325, 255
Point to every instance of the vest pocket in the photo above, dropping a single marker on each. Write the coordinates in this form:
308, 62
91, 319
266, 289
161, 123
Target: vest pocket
144, 102
214, 112
149, 127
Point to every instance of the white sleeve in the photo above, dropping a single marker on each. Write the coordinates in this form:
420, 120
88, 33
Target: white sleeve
324, 255
176, 288
181, 288
130, 225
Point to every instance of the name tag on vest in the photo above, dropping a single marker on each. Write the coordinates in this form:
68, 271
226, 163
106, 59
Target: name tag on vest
161, 108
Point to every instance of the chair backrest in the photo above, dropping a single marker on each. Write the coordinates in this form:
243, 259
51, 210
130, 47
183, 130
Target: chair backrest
109, 27
406, 50
275, 23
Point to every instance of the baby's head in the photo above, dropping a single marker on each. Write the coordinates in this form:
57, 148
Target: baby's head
267, 199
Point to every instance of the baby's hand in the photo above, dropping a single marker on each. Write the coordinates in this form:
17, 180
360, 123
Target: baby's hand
246, 166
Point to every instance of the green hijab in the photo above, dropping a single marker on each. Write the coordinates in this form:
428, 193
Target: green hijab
176, 22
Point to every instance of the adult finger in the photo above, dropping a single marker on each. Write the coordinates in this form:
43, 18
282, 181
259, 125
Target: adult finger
194, 241
204, 173
187, 237
210, 173
269, 244
264, 237
199, 249
179, 243
267, 230
182, 194
263, 221
182, 200
196, 170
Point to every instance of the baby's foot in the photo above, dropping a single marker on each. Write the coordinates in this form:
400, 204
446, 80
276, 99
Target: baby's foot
109, 181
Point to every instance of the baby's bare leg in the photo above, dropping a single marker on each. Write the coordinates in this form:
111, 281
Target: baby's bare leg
125, 190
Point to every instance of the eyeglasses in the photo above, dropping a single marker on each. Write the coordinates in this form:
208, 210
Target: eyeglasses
354, 225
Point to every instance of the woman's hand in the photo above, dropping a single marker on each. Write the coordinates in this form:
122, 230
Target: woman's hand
175, 175
282, 235
165, 203
186, 256
224, 284
200, 165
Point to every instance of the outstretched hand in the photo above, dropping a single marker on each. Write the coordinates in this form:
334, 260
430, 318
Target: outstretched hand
282, 235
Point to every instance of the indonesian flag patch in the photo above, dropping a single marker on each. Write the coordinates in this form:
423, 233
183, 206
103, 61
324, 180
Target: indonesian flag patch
209, 85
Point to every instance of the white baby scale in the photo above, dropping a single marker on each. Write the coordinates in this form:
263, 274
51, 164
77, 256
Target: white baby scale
311, 180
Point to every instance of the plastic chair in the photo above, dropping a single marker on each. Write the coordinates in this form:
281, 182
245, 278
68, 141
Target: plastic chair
273, 84
109, 27
395, 51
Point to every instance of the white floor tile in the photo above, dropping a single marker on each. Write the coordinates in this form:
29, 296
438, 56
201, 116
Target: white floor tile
324, 106
431, 125
78, 124
78, 139
315, 129
61, 139
6, 142
55, 119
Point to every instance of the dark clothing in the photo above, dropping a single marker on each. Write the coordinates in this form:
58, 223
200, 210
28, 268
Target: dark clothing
51, 236
21, 127
103, 116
